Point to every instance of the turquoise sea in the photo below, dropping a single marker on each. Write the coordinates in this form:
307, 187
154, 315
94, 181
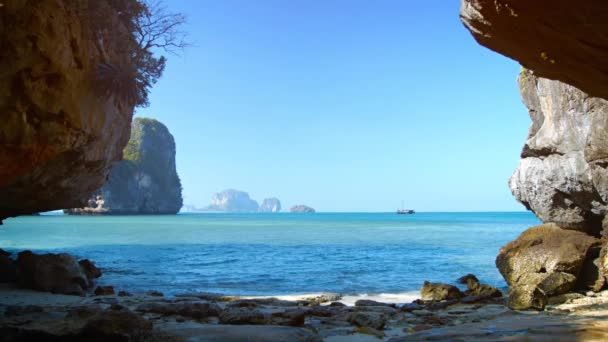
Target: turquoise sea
276, 254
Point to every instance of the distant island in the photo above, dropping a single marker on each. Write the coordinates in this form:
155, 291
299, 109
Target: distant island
300, 208
145, 181
270, 205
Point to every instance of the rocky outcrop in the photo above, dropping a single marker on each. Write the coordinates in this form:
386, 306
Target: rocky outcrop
563, 173
232, 201
57, 273
146, 181
439, 291
270, 205
300, 208
544, 261
555, 38
58, 136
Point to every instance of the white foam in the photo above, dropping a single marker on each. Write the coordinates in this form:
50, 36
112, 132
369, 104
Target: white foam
397, 298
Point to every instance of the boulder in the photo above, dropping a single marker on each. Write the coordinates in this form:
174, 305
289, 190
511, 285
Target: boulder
373, 320
243, 316
563, 172
439, 291
59, 136
544, 258
57, 273
470, 280
89, 268
551, 37
104, 291
145, 181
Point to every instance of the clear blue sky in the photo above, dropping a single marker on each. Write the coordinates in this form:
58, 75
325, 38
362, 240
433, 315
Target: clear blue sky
344, 105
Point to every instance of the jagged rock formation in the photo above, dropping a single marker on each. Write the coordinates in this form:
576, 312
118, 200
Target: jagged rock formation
563, 175
556, 38
562, 178
58, 137
300, 208
146, 181
232, 201
270, 205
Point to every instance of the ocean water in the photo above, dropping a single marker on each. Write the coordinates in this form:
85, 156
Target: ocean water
380, 254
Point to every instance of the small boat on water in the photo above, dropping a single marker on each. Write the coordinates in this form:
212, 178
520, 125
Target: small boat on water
405, 211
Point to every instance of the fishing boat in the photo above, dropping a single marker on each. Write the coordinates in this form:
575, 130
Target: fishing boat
405, 211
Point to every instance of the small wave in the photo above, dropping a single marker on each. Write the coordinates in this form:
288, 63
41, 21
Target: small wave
397, 298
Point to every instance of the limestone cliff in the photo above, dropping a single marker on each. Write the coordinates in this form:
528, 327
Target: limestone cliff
563, 178
146, 181
58, 137
558, 39
563, 175
270, 205
232, 201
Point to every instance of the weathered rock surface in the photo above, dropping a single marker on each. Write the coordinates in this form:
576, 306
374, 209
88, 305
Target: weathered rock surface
270, 205
563, 173
234, 201
146, 181
300, 208
58, 138
439, 291
57, 273
552, 37
545, 260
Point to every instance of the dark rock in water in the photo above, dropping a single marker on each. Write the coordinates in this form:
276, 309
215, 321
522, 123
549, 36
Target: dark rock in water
104, 291
58, 136
368, 319
232, 201
242, 316
270, 205
301, 209
89, 268
368, 302
124, 294
57, 273
551, 37
145, 181
337, 304
544, 252
155, 293
562, 175
470, 280
438, 292
8, 269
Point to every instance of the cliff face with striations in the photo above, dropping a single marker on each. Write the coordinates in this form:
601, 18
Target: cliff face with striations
146, 181
558, 39
563, 173
58, 138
